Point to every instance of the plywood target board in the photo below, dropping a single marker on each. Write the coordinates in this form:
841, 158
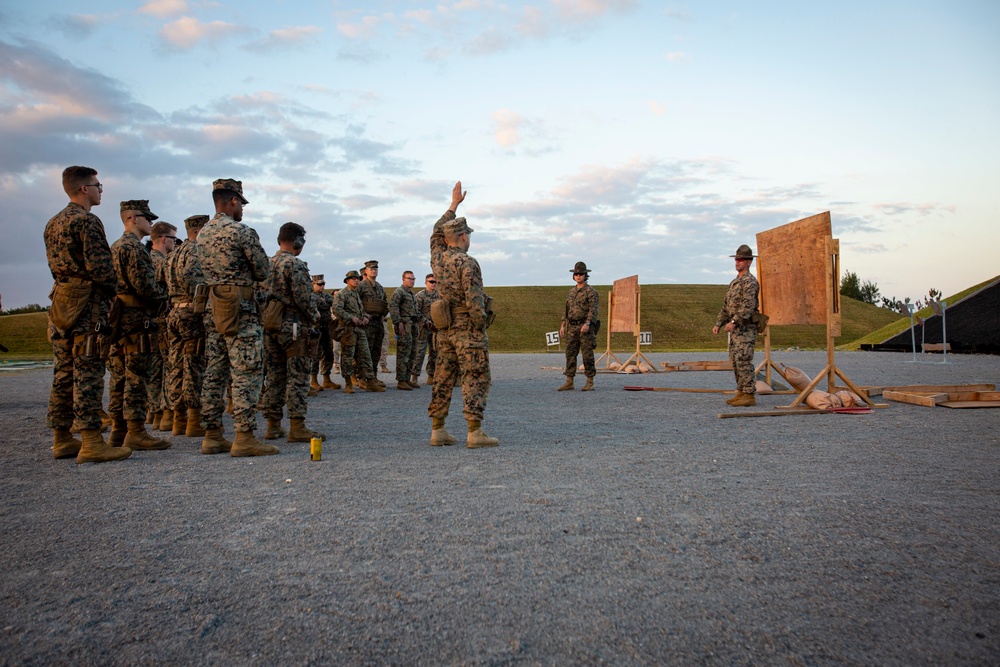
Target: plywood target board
793, 268
625, 305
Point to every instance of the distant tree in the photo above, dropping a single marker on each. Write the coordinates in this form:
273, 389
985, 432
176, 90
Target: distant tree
850, 285
32, 308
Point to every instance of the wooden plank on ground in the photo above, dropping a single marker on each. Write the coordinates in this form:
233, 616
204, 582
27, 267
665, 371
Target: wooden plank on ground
927, 400
929, 388
794, 411
697, 366
970, 404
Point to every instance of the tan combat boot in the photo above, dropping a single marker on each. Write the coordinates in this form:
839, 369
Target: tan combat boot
64, 445
439, 436
735, 398
119, 429
157, 418
138, 438
105, 420
589, 386
349, 384
312, 392
93, 449
415, 381
744, 401
274, 430
477, 438
299, 433
166, 421
149, 416
180, 421
215, 442
567, 385
194, 428
403, 385
247, 444
314, 384
373, 385
328, 383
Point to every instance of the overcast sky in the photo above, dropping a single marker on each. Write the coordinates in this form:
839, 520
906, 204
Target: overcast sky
647, 138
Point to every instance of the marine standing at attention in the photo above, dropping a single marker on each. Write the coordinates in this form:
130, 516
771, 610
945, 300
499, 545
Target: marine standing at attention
463, 346
404, 314
163, 237
231, 261
353, 340
736, 317
579, 327
424, 299
79, 257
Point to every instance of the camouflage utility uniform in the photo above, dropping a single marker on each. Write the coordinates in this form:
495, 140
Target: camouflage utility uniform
375, 329
132, 355
185, 331
582, 306
76, 247
287, 351
463, 348
322, 363
229, 253
403, 310
424, 300
738, 308
353, 340
159, 361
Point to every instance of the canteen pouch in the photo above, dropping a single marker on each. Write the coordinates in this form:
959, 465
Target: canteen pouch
274, 313
490, 314
378, 307
200, 299
441, 314
226, 308
761, 320
595, 326
69, 299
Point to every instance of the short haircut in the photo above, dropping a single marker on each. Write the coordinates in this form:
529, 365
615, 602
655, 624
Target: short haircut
290, 231
428, 277
74, 178
161, 229
409, 273
221, 196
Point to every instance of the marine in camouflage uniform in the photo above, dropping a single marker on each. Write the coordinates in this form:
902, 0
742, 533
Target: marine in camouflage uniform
736, 317
463, 348
405, 323
162, 238
373, 296
76, 247
424, 299
288, 351
322, 363
353, 341
185, 334
139, 297
579, 327
231, 261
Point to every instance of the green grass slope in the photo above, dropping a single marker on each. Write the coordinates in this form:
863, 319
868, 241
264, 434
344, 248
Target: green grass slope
25, 336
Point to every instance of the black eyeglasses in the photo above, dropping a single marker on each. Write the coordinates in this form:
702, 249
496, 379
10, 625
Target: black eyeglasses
432, 282
319, 283
170, 237
98, 185
580, 274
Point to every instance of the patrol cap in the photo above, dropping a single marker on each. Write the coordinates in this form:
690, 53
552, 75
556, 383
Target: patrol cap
352, 274
457, 226
318, 278
232, 185
196, 221
141, 205
371, 264
580, 267
744, 252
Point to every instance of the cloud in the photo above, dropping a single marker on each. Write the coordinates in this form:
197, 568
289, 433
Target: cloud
923, 210
586, 10
508, 124
187, 32
163, 8
677, 57
284, 38
657, 108
362, 29
76, 26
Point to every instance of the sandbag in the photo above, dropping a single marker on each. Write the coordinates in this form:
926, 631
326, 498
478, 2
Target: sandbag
821, 400
797, 378
764, 388
850, 400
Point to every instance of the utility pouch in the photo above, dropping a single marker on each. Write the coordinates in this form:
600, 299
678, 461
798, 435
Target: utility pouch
490, 315
441, 314
299, 348
595, 326
200, 299
274, 313
761, 320
115, 321
69, 299
226, 308
375, 306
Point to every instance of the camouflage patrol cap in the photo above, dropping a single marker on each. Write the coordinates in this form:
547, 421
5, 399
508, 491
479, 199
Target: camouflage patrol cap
141, 205
743, 252
457, 226
196, 221
371, 264
232, 185
352, 274
318, 278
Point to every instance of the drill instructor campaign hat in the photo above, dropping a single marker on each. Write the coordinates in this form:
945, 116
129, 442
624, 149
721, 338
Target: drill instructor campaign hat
744, 252
580, 267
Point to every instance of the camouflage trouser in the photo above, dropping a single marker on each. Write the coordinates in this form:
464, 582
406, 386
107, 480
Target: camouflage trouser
157, 372
322, 363
186, 330
383, 356
129, 386
77, 382
287, 377
577, 343
461, 349
741, 344
238, 360
405, 350
354, 348
375, 334
424, 346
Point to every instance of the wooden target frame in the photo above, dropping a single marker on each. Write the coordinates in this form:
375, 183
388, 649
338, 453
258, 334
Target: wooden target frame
798, 268
625, 310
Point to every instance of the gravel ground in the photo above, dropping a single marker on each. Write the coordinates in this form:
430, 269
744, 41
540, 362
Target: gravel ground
610, 527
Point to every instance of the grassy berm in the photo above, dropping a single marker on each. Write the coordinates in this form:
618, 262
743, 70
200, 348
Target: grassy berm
680, 318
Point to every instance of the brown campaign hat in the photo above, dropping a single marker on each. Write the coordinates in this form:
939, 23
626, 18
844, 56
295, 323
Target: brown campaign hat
232, 185
744, 252
580, 267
